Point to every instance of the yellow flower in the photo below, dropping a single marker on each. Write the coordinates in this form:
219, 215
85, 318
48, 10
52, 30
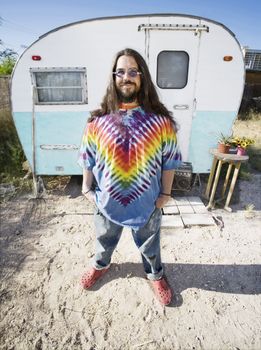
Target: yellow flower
243, 141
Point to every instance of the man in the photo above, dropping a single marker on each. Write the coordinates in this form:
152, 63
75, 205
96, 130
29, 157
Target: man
129, 146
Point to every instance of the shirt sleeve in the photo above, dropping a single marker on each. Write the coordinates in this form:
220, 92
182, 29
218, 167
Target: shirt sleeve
171, 156
86, 156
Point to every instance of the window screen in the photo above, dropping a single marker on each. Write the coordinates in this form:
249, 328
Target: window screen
172, 69
60, 86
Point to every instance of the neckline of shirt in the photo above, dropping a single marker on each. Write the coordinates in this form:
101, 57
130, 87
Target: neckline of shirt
128, 106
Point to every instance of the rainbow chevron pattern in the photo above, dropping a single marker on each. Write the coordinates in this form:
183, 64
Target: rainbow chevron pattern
127, 151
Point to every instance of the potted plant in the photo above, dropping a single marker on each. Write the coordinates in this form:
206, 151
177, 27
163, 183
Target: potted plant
242, 143
224, 143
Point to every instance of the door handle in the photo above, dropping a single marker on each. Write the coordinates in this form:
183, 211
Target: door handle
181, 107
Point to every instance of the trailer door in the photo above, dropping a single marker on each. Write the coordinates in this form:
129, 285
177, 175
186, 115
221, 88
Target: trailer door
172, 55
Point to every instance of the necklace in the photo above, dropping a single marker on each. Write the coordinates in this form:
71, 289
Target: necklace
128, 105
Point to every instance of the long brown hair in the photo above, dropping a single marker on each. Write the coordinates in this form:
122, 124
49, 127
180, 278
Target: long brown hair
147, 96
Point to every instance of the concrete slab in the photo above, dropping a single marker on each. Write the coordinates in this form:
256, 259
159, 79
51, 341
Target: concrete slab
197, 219
200, 209
181, 201
171, 202
171, 210
185, 209
170, 221
193, 200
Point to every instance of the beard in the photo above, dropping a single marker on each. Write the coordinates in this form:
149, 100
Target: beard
126, 96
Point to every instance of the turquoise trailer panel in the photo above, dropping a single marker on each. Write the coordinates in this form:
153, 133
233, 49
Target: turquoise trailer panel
57, 140
58, 137
205, 132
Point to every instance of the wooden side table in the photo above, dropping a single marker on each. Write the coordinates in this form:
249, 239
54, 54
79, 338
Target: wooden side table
218, 160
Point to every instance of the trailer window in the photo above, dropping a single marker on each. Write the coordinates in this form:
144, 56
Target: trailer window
172, 69
59, 86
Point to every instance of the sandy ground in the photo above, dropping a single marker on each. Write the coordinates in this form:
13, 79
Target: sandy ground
47, 244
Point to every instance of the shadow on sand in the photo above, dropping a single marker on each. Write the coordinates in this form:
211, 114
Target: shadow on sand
235, 279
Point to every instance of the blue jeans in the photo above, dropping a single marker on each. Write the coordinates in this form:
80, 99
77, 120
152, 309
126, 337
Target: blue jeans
146, 238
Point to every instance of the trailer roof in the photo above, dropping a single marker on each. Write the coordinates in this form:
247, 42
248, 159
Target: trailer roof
133, 16
119, 17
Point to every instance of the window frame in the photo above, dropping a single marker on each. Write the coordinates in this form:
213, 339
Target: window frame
60, 70
187, 71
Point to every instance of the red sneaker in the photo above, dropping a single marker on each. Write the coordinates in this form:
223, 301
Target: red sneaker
162, 291
90, 277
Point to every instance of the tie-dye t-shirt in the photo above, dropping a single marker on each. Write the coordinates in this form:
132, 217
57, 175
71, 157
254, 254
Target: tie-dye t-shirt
127, 152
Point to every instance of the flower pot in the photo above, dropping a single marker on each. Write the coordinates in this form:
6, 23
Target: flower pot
222, 148
241, 151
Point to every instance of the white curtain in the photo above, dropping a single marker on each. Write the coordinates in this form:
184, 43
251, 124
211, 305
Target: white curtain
59, 86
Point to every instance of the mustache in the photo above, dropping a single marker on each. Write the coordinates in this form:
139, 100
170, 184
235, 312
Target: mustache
127, 82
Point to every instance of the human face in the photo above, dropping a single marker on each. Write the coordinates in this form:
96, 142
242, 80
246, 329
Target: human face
127, 87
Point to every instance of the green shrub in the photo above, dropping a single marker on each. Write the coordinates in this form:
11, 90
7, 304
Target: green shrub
11, 152
7, 65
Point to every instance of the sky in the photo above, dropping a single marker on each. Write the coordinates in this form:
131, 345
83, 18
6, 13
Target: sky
23, 21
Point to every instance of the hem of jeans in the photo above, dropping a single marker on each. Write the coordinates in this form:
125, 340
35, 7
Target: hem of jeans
155, 277
99, 267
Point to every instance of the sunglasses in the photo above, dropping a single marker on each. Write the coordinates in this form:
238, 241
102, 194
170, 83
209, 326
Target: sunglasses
131, 73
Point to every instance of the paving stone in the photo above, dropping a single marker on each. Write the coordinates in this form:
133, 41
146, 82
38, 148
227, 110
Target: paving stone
181, 201
193, 200
185, 209
197, 219
171, 210
169, 221
200, 209
171, 202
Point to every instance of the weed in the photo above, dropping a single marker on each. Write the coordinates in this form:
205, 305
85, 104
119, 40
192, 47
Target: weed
11, 160
11, 152
249, 211
250, 114
10, 186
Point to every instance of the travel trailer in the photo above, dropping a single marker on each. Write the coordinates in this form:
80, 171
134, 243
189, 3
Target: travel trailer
196, 65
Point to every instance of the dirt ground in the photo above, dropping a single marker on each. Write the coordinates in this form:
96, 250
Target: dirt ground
47, 244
